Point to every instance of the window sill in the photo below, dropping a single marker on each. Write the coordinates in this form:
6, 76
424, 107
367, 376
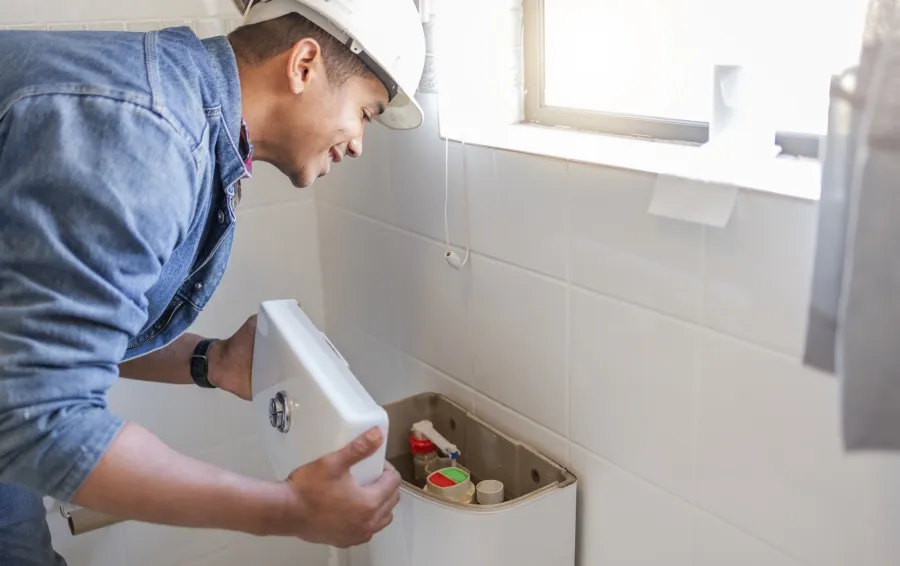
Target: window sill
785, 176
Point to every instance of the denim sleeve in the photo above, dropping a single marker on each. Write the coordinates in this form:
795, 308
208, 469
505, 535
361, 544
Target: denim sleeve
95, 193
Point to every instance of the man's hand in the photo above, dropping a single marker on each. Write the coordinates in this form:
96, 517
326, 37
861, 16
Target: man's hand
141, 478
231, 361
328, 506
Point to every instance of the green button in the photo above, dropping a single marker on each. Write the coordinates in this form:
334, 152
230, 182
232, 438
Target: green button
455, 474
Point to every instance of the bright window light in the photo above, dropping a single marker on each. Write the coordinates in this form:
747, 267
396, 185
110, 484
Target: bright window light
655, 58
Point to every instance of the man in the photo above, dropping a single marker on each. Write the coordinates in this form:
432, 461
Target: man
121, 157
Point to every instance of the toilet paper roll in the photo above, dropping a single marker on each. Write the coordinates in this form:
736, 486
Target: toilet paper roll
85, 521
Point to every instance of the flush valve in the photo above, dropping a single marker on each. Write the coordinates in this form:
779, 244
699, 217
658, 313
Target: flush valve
280, 412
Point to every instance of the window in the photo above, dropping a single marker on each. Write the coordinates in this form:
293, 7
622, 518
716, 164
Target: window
645, 67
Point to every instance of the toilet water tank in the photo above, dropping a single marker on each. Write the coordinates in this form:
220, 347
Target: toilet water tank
308, 403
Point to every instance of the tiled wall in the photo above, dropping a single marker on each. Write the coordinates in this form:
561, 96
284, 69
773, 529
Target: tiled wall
275, 256
656, 358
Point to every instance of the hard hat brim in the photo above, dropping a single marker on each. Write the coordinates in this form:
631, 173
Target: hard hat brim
403, 113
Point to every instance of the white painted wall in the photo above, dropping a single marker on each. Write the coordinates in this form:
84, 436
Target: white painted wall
660, 360
275, 256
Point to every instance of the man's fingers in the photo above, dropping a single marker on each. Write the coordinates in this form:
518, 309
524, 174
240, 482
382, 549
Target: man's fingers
384, 523
388, 508
357, 451
387, 486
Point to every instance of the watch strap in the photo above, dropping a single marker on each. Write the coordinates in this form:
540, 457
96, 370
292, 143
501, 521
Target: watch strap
200, 364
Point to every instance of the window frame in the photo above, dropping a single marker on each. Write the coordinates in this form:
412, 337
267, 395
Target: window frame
659, 129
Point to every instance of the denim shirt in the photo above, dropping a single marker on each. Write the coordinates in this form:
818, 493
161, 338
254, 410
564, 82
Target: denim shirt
119, 165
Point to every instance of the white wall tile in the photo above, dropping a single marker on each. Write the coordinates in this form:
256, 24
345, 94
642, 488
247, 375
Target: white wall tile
186, 417
619, 249
361, 284
243, 550
363, 185
105, 547
770, 461
275, 256
398, 288
144, 27
717, 543
157, 545
547, 442
518, 208
212, 28
359, 556
634, 378
67, 27
389, 374
759, 271
18, 13
426, 379
175, 23
519, 338
246, 456
105, 10
106, 26
434, 306
624, 520
417, 159
234, 23
376, 364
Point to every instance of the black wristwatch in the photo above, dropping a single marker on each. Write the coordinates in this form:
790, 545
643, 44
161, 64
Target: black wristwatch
200, 364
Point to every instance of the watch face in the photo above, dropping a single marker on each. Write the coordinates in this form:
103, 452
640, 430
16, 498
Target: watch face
199, 366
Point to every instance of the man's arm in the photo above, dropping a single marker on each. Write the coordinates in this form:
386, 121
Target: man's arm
230, 362
168, 365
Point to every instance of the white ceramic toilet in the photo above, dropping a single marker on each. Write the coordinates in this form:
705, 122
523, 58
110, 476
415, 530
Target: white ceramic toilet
308, 403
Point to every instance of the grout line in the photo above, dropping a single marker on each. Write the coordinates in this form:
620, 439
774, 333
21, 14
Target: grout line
567, 229
123, 21
460, 383
694, 506
432, 240
575, 287
441, 373
525, 418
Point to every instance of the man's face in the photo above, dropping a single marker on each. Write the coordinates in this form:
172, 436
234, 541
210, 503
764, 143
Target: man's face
322, 123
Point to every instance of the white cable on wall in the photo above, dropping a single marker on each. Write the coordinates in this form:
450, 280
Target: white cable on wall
451, 256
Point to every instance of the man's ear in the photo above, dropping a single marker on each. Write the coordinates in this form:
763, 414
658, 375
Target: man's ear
304, 64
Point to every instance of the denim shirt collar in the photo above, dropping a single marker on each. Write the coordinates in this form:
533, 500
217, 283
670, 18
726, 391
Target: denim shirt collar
233, 165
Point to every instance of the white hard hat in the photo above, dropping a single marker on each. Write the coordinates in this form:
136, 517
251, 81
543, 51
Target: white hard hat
386, 34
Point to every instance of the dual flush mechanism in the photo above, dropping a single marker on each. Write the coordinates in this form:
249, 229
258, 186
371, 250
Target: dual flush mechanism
280, 412
444, 477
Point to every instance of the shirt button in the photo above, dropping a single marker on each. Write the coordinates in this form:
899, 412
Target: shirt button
198, 286
221, 217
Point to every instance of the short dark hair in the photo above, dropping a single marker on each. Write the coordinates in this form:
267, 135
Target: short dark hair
257, 43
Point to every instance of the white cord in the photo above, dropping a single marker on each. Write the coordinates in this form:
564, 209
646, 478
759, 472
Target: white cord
447, 191
450, 255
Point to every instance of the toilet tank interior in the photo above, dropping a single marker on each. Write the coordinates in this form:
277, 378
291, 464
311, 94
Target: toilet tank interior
485, 451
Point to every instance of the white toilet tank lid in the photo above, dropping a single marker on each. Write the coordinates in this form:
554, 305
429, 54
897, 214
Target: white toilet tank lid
298, 371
